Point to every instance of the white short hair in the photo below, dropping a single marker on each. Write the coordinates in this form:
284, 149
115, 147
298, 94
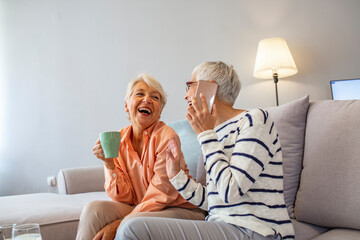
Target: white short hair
149, 80
224, 75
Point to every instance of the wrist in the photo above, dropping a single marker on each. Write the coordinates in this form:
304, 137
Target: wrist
109, 164
174, 173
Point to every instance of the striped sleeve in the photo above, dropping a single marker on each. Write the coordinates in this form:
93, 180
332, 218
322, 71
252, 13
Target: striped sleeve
190, 190
234, 176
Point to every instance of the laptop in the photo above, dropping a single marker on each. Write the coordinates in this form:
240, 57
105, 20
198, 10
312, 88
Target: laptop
345, 89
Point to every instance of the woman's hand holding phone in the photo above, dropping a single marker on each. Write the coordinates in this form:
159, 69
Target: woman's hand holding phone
201, 119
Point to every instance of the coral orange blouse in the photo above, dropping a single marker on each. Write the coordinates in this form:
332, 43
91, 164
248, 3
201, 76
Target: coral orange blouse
142, 180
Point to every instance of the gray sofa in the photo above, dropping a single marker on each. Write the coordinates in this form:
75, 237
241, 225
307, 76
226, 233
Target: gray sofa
321, 148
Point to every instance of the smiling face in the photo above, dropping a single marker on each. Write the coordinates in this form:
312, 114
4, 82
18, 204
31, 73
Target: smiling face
144, 105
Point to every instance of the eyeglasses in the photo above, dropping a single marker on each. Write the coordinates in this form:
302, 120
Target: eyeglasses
188, 85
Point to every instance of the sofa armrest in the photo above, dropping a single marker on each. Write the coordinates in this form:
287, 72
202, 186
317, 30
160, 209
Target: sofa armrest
81, 180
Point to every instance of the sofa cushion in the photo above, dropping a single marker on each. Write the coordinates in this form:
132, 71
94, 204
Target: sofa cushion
189, 144
290, 119
336, 234
200, 171
57, 214
305, 231
329, 192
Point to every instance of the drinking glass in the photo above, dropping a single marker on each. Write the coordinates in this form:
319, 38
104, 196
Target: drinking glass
30, 231
6, 231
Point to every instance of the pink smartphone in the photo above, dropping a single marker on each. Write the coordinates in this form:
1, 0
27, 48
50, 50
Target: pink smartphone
209, 90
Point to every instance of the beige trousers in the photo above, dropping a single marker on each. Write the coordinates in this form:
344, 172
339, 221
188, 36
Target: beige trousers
98, 214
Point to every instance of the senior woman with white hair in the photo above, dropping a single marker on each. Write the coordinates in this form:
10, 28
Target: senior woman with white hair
243, 163
137, 181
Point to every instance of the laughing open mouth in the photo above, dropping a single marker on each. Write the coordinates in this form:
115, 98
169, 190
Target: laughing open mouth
144, 110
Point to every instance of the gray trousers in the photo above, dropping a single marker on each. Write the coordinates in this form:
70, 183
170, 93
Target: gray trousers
157, 228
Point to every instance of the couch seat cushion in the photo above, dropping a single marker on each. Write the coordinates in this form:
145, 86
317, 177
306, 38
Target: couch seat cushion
306, 231
45, 208
337, 234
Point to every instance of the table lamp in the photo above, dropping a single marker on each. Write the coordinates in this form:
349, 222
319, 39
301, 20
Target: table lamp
274, 60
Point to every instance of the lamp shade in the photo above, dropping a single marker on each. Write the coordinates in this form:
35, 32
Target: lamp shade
273, 56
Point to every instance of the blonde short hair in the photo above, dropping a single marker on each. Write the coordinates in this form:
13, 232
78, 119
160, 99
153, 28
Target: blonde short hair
150, 81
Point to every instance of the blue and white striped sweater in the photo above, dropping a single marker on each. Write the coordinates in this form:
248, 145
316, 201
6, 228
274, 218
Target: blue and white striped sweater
244, 176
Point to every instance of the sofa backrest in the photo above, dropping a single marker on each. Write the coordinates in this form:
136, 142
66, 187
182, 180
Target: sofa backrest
329, 192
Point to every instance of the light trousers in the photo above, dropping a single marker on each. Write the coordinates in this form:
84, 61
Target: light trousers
144, 228
98, 214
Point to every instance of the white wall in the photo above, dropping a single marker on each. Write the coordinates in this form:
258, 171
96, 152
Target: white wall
64, 66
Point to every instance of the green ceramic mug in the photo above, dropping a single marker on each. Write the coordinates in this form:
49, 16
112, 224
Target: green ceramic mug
110, 142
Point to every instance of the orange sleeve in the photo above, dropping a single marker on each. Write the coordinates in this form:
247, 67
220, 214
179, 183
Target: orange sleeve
118, 186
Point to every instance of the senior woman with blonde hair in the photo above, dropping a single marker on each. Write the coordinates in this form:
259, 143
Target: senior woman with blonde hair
137, 181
